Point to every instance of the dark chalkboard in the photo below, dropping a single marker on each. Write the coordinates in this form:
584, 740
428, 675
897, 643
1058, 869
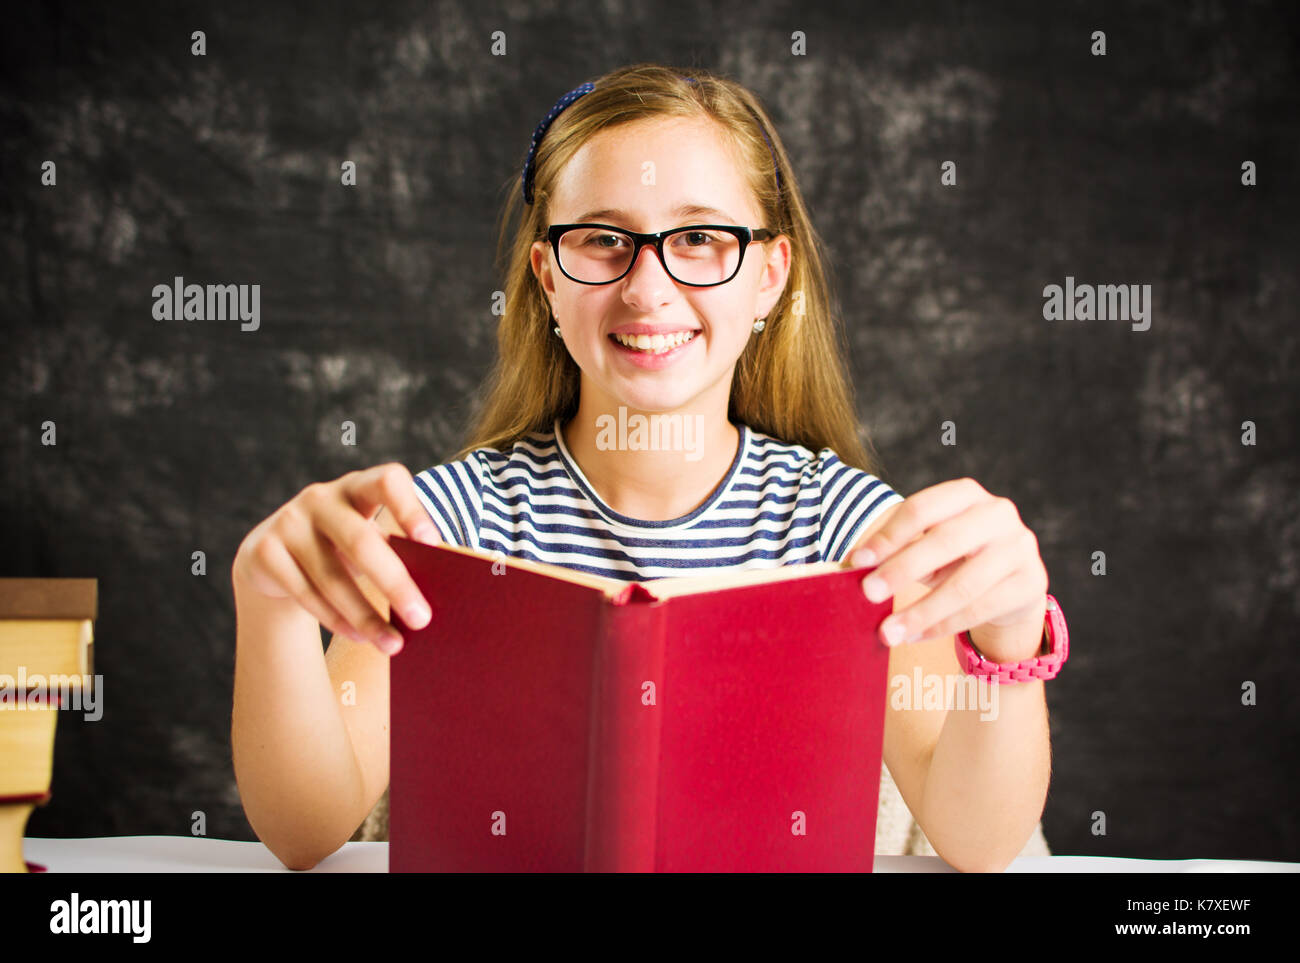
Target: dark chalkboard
375, 306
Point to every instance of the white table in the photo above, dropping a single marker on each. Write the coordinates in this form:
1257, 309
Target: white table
190, 854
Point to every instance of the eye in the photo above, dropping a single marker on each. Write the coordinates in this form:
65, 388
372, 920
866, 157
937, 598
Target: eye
599, 240
697, 239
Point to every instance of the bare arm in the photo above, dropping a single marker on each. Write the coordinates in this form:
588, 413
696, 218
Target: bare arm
975, 778
309, 734
298, 775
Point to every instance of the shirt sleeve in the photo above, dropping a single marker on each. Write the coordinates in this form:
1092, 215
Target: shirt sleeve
851, 499
452, 496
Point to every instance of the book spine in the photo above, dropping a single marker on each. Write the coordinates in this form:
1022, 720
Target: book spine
623, 770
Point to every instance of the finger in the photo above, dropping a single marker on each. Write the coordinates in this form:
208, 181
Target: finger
1007, 594
361, 544
321, 564
276, 558
969, 597
916, 514
939, 574
950, 541
340, 589
392, 486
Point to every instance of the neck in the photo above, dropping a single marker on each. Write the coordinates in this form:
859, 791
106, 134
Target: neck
614, 445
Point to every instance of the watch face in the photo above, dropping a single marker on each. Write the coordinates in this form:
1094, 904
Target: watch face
1059, 636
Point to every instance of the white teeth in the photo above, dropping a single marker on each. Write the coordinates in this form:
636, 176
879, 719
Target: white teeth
655, 344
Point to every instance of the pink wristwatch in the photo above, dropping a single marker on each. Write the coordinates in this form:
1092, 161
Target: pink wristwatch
1042, 666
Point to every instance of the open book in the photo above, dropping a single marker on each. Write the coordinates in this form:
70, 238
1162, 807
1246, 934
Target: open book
553, 720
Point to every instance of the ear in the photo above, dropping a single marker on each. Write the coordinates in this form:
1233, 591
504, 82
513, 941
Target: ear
776, 272
540, 261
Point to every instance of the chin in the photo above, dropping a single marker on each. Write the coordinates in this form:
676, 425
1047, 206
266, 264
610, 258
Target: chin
654, 403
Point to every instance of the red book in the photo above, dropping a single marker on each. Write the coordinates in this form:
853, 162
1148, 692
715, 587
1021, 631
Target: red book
552, 720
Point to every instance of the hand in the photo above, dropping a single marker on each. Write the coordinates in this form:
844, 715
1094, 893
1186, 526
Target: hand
978, 558
315, 546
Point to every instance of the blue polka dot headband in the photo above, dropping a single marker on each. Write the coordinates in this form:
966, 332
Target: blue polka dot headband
570, 97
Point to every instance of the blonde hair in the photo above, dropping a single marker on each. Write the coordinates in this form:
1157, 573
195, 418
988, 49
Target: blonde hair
791, 380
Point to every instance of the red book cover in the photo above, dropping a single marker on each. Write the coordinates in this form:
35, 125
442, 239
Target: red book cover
38, 798
552, 720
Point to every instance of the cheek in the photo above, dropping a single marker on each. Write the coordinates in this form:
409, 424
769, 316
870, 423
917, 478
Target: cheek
731, 323
580, 311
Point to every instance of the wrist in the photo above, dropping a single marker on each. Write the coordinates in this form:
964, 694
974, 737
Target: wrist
267, 616
1017, 645
1022, 664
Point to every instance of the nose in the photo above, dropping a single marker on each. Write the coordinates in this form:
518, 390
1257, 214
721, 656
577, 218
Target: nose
650, 283
652, 253
647, 288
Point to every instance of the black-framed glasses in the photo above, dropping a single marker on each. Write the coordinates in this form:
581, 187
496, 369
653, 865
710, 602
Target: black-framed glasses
701, 255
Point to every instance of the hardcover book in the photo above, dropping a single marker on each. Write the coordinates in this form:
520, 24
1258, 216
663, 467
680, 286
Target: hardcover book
548, 719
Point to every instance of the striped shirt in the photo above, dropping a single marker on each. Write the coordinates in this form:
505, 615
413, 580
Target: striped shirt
779, 504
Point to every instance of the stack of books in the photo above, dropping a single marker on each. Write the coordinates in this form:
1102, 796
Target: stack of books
46, 660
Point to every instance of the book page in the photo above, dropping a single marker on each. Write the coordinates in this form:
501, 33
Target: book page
662, 588
690, 584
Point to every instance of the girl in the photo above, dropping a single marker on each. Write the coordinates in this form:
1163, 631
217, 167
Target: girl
664, 267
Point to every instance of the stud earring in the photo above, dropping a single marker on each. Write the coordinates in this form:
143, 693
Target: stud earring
759, 324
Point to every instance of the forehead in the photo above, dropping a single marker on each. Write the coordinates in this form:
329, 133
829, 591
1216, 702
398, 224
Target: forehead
645, 173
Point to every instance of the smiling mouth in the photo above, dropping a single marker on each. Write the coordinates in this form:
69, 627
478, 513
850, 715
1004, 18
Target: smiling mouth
654, 344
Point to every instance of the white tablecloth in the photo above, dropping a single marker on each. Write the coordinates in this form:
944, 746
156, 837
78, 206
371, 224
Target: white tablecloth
190, 854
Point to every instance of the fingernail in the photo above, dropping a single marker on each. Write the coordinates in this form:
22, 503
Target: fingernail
426, 533
892, 631
390, 642
876, 588
863, 556
416, 615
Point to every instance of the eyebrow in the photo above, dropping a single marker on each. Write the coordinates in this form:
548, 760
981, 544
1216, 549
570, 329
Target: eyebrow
682, 210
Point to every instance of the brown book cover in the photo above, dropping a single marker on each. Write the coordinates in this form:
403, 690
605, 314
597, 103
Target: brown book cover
49, 598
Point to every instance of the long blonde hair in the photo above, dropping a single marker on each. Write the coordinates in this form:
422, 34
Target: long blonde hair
791, 380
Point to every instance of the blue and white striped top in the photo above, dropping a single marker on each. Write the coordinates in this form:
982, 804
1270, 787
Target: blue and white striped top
779, 504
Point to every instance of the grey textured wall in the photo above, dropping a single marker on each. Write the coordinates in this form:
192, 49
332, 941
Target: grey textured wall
176, 437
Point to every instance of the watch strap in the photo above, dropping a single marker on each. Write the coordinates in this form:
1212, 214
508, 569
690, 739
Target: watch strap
1038, 667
